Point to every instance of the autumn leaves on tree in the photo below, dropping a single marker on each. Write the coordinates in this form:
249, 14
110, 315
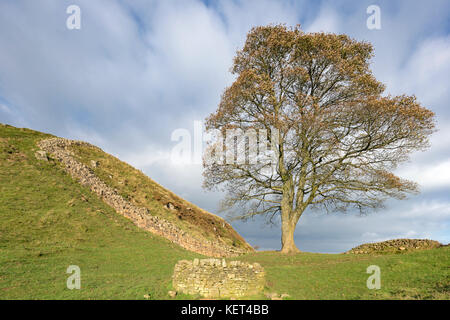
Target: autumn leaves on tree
338, 136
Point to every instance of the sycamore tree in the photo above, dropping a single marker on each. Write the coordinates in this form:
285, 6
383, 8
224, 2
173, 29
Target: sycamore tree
338, 136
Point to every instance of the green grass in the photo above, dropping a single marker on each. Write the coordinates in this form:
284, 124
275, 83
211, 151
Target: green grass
416, 275
48, 222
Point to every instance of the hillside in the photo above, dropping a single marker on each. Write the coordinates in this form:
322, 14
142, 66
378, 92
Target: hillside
146, 203
395, 246
49, 221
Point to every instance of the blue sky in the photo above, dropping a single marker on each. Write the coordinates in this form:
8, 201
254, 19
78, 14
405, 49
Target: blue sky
138, 70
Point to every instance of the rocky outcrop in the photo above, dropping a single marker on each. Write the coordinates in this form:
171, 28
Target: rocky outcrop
214, 278
142, 217
395, 246
41, 155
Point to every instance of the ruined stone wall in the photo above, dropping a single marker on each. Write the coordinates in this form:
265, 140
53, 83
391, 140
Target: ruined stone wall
395, 246
215, 278
140, 216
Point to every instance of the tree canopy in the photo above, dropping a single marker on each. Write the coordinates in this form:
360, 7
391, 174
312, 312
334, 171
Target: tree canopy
338, 136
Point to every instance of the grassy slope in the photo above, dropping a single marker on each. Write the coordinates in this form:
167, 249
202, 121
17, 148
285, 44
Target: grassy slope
142, 191
417, 275
48, 222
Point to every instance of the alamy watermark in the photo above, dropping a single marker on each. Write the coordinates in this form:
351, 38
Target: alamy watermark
231, 146
74, 20
374, 20
374, 281
74, 281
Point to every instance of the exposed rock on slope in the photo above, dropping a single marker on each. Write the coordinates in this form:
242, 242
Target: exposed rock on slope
141, 216
395, 246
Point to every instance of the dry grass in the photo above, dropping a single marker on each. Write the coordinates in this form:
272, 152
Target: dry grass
142, 191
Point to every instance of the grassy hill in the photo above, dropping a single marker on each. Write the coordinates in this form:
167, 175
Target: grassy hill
142, 191
48, 221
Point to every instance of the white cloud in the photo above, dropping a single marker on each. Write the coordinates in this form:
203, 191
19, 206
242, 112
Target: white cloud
5, 109
327, 21
147, 157
425, 73
429, 177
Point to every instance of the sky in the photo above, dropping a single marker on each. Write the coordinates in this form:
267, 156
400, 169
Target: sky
136, 71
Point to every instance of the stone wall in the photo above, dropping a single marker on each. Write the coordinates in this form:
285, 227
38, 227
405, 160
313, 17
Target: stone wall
215, 278
140, 216
395, 246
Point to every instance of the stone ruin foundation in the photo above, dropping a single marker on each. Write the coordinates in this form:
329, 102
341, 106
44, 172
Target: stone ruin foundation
215, 278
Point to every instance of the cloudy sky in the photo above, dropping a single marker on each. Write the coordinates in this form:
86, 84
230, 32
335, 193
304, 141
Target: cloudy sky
138, 70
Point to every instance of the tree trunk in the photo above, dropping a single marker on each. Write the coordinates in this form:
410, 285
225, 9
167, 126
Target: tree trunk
288, 220
287, 232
